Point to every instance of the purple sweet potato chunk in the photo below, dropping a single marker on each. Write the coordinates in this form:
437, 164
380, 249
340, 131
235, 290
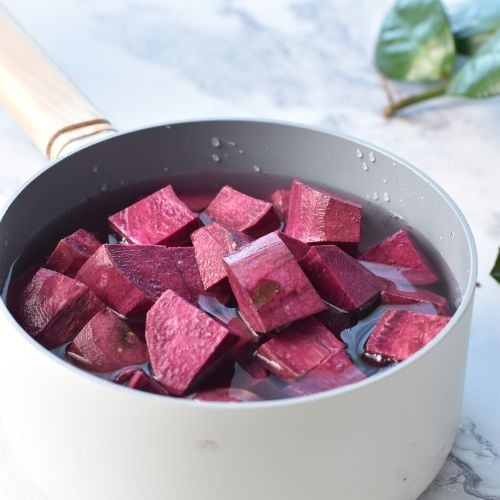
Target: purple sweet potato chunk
336, 321
227, 395
297, 247
393, 295
335, 371
255, 378
211, 243
135, 378
399, 250
280, 200
316, 216
398, 334
247, 340
159, 219
196, 202
298, 349
106, 344
53, 308
129, 278
72, 252
269, 285
255, 368
238, 211
340, 279
184, 343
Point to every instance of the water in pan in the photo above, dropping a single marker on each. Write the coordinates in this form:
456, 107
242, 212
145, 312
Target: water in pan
93, 212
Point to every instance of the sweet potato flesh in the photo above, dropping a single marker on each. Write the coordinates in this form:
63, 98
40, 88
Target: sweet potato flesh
216, 295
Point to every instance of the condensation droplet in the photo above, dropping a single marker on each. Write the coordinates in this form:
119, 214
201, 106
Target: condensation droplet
257, 168
371, 157
168, 127
384, 181
440, 237
231, 143
240, 151
364, 166
215, 158
387, 197
400, 200
122, 182
375, 195
422, 197
394, 164
368, 196
95, 169
104, 187
452, 233
6, 243
359, 153
165, 169
215, 142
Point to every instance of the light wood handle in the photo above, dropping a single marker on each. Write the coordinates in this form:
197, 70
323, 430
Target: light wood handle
49, 107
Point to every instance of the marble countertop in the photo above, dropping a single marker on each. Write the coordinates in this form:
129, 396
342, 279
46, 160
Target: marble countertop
310, 61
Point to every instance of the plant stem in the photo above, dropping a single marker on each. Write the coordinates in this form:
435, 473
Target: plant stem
394, 107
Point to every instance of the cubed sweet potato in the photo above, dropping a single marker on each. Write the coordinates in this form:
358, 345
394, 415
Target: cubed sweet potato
184, 343
238, 211
211, 243
401, 251
393, 295
72, 252
105, 344
159, 219
269, 285
398, 334
227, 395
136, 378
298, 349
297, 247
53, 308
196, 201
280, 200
340, 279
316, 216
335, 371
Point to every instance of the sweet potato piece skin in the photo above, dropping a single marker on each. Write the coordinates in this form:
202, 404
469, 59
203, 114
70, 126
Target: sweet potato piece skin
53, 308
238, 211
105, 344
316, 216
72, 252
211, 243
399, 250
159, 219
227, 395
298, 349
340, 279
392, 295
136, 378
280, 200
183, 342
335, 371
398, 333
270, 287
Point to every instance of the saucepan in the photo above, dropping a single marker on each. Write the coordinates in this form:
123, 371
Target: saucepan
80, 437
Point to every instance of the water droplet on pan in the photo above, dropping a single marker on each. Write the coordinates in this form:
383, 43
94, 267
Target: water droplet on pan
240, 151
95, 169
387, 197
364, 166
104, 187
257, 168
215, 142
394, 164
165, 169
231, 143
359, 153
384, 181
371, 157
375, 196
215, 158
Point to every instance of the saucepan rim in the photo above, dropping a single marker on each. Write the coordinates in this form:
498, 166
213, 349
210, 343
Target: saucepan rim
299, 400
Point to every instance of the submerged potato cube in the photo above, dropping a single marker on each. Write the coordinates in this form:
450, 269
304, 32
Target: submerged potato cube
105, 344
316, 216
53, 308
280, 200
238, 211
184, 343
136, 378
211, 243
159, 219
400, 251
72, 252
269, 285
298, 349
392, 295
340, 279
398, 334
227, 395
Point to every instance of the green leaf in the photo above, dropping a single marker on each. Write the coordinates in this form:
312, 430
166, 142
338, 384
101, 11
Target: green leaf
474, 22
495, 272
415, 42
480, 76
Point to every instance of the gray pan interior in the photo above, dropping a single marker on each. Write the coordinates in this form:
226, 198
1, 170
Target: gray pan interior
140, 161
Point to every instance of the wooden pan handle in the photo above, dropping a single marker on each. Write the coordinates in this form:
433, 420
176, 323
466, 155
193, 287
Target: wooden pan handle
50, 108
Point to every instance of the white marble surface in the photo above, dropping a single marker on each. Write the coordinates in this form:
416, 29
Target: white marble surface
149, 61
